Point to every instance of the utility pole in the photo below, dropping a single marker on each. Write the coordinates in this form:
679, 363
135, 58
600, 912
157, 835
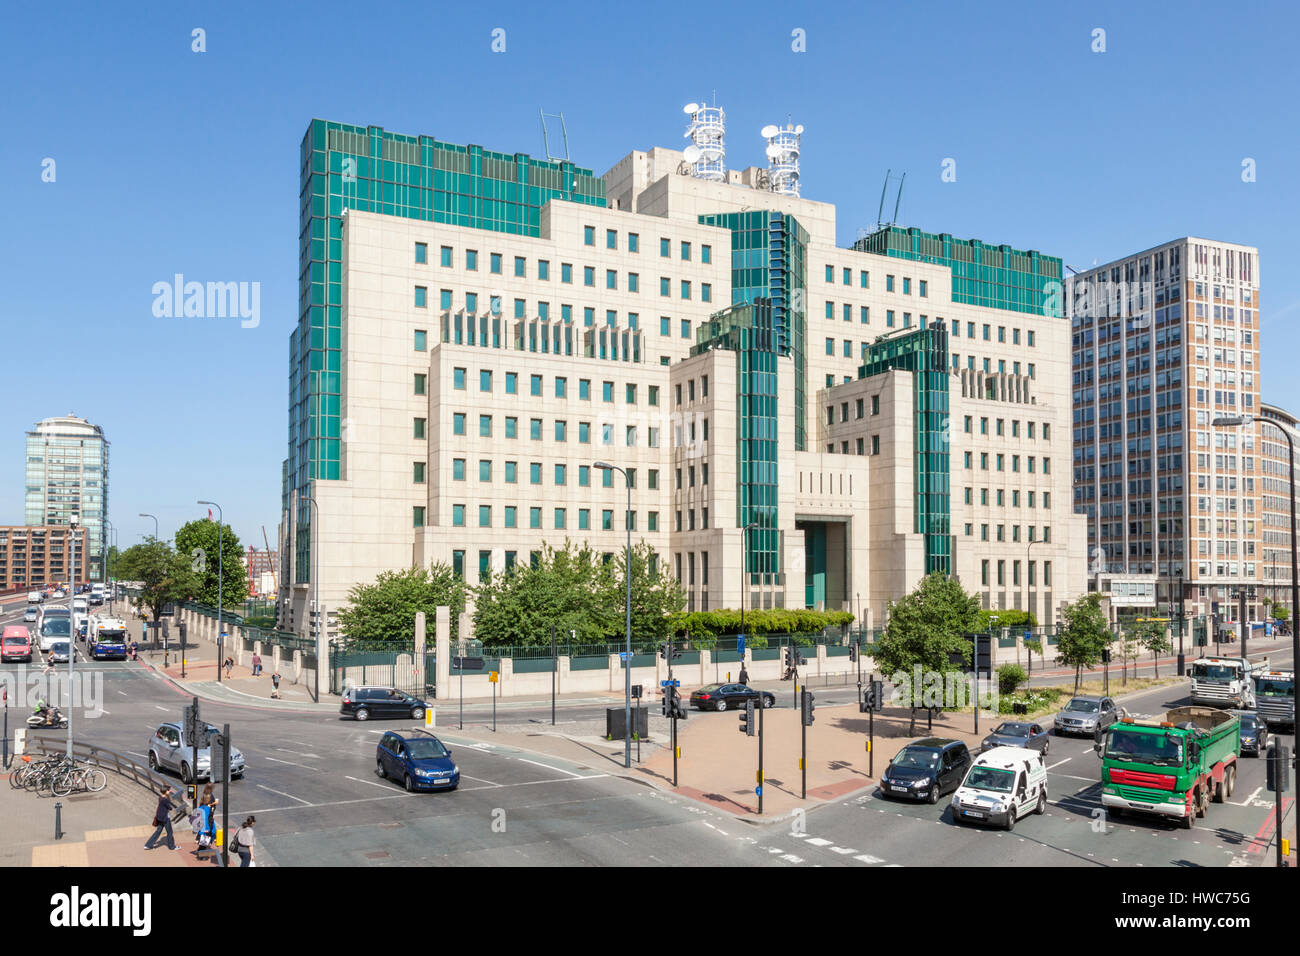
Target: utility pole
555, 664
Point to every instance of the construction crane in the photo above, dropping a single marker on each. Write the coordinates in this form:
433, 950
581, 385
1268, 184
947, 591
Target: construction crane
275, 585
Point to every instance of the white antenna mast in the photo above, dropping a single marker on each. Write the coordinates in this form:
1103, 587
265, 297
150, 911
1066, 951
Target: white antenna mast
783, 158
707, 153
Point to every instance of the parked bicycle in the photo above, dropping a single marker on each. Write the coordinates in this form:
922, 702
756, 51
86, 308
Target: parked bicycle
59, 775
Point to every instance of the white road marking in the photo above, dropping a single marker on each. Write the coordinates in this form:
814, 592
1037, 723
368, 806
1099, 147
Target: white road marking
480, 780
549, 767
1248, 800
134, 754
122, 692
842, 850
1069, 776
791, 858
291, 763
296, 753
160, 707
280, 793
868, 858
371, 782
818, 841
1059, 762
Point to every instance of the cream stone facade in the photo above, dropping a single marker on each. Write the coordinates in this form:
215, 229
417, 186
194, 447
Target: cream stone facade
484, 373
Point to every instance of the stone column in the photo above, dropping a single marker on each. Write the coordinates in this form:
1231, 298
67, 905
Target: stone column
442, 647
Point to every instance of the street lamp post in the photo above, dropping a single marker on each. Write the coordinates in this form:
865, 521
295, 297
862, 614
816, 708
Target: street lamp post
744, 579
627, 664
72, 631
1231, 421
221, 637
145, 514
315, 591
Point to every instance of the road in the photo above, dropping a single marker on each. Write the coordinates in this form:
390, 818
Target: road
311, 783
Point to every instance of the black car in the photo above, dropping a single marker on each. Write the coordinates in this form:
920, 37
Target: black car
1018, 733
926, 769
729, 696
371, 701
1254, 734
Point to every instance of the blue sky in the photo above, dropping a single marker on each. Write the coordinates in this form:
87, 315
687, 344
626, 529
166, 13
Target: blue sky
170, 161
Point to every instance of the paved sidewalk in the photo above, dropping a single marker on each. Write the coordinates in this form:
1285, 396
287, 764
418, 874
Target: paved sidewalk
99, 829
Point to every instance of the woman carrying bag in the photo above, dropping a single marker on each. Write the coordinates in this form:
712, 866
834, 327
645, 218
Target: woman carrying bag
243, 841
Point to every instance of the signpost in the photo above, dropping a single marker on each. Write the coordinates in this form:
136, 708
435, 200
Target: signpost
494, 678
192, 724
220, 758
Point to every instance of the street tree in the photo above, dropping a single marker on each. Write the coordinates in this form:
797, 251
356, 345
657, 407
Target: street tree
568, 588
1083, 635
927, 629
384, 612
1151, 636
164, 575
198, 541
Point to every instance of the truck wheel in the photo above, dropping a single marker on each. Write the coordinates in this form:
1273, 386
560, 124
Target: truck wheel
1230, 779
1220, 787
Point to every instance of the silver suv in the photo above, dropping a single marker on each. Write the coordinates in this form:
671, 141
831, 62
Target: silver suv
167, 751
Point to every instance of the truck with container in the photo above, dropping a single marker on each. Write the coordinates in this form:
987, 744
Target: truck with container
1275, 698
1225, 681
106, 639
1172, 765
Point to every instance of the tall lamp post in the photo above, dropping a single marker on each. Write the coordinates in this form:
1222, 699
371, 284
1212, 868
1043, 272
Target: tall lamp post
145, 514
1233, 421
744, 577
315, 590
221, 637
627, 665
1029, 655
72, 631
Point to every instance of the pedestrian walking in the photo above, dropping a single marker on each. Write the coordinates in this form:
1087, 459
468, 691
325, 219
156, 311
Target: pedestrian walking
230, 664
275, 685
257, 664
243, 842
135, 650
162, 819
744, 675
49, 662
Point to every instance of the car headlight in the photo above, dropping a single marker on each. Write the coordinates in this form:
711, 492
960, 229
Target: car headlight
920, 783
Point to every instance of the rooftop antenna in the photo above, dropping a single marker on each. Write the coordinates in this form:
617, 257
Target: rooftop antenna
546, 141
884, 189
706, 155
783, 157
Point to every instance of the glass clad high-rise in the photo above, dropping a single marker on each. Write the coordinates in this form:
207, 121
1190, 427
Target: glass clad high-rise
67, 474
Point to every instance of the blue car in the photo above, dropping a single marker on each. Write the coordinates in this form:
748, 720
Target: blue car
418, 759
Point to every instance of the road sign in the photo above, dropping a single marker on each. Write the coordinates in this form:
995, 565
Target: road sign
670, 683
636, 691
624, 656
467, 663
758, 791
493, 676
740, 645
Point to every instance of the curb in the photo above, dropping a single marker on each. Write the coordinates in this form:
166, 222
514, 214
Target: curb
191, 691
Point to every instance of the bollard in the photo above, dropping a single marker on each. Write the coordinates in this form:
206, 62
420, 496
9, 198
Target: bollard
58, 821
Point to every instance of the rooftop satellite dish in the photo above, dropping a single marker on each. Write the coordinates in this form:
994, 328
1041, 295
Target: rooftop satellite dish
690, 108
768, 131
773, 151
691, 154
799, 129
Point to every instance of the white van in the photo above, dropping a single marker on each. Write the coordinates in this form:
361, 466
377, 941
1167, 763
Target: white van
34, 597
1002, 785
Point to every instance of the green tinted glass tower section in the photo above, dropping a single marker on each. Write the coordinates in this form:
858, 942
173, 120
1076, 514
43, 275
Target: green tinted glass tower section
997, 277
750, 330
924, 353
418, 177
769, 261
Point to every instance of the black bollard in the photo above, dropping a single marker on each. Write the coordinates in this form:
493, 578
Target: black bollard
58, 821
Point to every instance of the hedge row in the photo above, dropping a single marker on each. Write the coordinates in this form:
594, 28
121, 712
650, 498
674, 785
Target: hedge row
702, 624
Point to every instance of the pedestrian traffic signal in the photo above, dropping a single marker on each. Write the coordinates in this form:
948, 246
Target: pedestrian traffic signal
678, 710
666, 705
747, 719
868, 698
806, 707
1278, 774
853, 654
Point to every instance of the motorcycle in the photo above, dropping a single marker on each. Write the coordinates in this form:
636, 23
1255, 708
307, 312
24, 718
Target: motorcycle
49, 720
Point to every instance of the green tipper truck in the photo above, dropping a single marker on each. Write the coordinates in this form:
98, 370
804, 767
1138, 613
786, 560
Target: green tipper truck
1171, 765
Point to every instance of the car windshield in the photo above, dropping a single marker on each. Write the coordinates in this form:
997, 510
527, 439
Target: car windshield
425, 749
1081, 706
1249, 722
990, 778
15, 640
916, 758
60, 647
1012, 730
1136, 747
1273, 687
1213, 672
56, 627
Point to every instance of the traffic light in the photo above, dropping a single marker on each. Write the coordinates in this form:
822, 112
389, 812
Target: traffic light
663, 651
1105, 655
677, 709
853, 654
747, 719
1278, 774
785, 658
666, 705
868, 698
806, 707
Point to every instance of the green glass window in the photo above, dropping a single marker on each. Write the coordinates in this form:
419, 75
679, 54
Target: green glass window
665, 325
444, 299
417, 516
559, 519
446, 256
512, 472
458, 379
458, 516
512, 514
458, 469
535, 385
566, 272
589, 275
686, 252
421, 297
534, 517
561, 430
457, 425
588, 235
421, 383
633, 242
611, 238
611, 279
512, 383
584, 519
561, 474
665, 248
607, 474
686, 328
584, 389
561, 386
665, 286
584, 476
485, 470
458, 563
421, 253
706, 254
485, 516
686, 289
494, 263
706, 292
584, 433
485, 426
471, 260
535, 473
607, 520
535, 429
485, 380
418, 473
633, 282
830, 273
521, 267
544, 269
512, 426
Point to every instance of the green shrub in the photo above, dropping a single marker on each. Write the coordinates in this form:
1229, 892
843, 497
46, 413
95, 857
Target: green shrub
1010, 676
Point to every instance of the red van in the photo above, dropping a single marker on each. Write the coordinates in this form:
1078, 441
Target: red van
16, 644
